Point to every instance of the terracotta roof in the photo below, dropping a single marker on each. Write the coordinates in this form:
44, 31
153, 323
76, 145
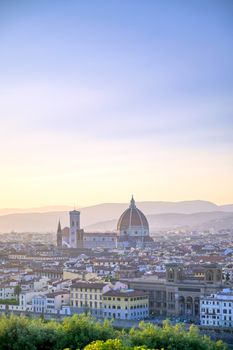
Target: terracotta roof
125, 293
92, 285
132, 217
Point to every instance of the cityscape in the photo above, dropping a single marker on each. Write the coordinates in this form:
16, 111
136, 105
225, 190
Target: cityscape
116, 195
126, 275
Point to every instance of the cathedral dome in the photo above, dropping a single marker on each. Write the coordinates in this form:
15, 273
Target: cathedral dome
133, 222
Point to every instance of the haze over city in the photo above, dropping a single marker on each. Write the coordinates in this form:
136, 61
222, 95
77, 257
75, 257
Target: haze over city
102, 99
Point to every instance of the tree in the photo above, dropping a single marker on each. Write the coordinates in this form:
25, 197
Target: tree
17, 291
84, 332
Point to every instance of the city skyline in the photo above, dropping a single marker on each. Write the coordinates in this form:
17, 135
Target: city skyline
100, 100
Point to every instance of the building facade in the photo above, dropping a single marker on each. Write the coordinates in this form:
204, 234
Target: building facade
176, 295
132, 232
125, 304
77, 238
217, 309
75, 234
87, 296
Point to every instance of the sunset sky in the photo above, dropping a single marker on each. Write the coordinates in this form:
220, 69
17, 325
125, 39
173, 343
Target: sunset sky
102, 99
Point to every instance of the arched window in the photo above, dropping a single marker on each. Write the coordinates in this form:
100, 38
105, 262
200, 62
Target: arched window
170, 274
209, 276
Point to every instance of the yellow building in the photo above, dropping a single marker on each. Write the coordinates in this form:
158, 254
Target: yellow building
126, 304
87, 296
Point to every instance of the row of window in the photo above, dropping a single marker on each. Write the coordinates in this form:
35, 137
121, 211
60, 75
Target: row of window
38, 302
217, 323
126, 307
213, 311
82, 304
125, 299
85, 296
132, 314
89, 289
216, 303
98, 239
217, 317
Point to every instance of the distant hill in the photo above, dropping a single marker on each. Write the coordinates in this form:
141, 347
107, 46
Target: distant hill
103, 217
45, 209
204, 221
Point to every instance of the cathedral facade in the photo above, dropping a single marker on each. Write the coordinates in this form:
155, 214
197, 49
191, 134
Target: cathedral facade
132, 232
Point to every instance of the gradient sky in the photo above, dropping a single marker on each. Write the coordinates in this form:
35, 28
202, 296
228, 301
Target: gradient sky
102, 99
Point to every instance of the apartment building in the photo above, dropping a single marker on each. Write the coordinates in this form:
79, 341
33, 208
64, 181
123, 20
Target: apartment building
217, 309
50, 302
7, 292
125, 304
87, 296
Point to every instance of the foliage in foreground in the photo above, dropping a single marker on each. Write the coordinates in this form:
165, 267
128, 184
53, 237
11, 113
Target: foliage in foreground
113, 344
83, 332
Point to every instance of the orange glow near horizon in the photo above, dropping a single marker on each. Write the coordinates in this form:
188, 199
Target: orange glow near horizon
110, 98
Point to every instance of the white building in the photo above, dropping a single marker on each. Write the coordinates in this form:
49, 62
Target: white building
50, 302
39, 303
217, 309
99, 240
7, 292
25, 297
55, 301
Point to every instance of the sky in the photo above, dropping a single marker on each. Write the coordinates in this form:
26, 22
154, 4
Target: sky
103, 99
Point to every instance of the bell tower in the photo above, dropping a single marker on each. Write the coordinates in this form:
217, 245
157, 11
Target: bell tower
74, 228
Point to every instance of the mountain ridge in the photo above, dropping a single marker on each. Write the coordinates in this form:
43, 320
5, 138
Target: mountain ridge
98, 215
202, 220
